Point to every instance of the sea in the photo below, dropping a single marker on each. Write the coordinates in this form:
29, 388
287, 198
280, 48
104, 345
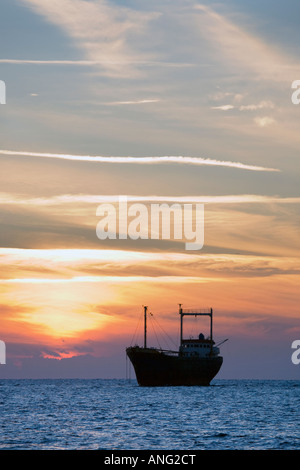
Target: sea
117, 414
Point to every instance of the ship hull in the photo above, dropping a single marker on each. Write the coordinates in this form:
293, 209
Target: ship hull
156, 368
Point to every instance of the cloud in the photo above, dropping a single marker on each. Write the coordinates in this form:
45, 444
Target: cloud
112, 279
89, 63
106, 266
49, 62
146, 101
246, 107
102, 31
264, 121
254, 107
220, 95
11, 199
140, 160
9, 311
241, 48
225, 107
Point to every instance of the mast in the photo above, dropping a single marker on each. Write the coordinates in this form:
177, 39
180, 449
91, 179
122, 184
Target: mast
205, 312
145, 326
181, 321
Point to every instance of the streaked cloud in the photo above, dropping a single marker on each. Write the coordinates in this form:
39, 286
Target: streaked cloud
89, 63
246, 107
145, 101
110, 279
40, 266
100, 29
49, 62
221, 95
224, 107
243, 49
71, 255
255, 107
140, 160
6, 198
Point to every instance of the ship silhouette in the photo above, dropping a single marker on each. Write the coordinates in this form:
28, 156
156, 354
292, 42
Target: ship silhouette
196, 362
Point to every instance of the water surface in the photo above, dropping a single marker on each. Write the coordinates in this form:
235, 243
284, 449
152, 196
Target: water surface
118, 414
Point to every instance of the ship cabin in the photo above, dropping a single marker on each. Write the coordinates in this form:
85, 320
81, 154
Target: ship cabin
200, 347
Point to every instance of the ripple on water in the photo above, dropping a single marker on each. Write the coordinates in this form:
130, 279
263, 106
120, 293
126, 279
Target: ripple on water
108, 414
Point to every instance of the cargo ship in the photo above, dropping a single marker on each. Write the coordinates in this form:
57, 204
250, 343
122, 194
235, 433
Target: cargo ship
196, 362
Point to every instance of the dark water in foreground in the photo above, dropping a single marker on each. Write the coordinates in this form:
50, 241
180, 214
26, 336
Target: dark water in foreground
117, 414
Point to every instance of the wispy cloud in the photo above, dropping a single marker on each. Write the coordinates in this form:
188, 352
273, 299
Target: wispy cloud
109, 279
243, 49
117, 103
101, 30
221, 95
32, 265
255, 107
140, 160
224, 107
11, 199
264, 121
138, 63
48, 62
246, 107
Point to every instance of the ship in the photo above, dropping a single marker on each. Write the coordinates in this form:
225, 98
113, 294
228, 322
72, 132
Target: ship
196, 362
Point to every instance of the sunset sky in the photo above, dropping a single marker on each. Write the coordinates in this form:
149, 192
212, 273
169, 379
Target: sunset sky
203, 90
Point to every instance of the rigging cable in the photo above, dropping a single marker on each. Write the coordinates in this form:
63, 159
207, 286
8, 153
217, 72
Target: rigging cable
169, 337
136, 329
153, 327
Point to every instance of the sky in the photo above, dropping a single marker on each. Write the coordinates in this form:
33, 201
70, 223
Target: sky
172, 101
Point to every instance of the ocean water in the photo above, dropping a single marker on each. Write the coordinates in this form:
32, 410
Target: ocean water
120, 415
